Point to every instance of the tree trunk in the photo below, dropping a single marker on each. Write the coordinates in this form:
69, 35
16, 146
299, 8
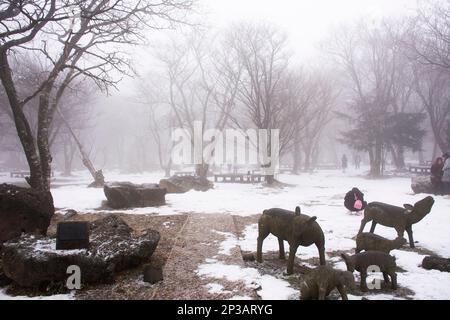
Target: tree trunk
167, 168
69, 152
308, 154
398, 156
296, 157
99, 179
24, 132
44, 120
201, 170
435, 151
375, 160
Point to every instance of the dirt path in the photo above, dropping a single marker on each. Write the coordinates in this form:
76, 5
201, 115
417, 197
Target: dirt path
198, 243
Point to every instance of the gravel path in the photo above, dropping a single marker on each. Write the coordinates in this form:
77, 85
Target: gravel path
199, 242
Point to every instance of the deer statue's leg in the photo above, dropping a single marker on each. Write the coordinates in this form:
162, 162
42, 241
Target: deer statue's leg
363, 284
393, 276
363, 224
372, 228
262, 235
386, 278
322, 292
342, 291
281, 246
292, 252
410, 236
321, 255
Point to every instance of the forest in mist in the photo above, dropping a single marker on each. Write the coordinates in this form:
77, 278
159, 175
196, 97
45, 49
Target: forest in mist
109, 81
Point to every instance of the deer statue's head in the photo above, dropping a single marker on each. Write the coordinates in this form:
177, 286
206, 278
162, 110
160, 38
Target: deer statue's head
349, 261
420, 208
347, 279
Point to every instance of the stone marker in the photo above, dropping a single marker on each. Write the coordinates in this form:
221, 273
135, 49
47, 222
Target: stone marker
153, 274
72, 235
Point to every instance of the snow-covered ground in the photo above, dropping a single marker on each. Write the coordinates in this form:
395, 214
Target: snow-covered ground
320, 194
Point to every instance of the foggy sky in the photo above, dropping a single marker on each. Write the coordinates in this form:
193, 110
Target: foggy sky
305, 21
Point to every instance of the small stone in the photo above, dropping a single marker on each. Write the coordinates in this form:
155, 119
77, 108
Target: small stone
436, 263
248, 257
70, 214
153, 274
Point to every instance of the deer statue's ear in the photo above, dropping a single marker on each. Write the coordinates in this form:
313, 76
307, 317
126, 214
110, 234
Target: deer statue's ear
312, 220
297, 211
408, 207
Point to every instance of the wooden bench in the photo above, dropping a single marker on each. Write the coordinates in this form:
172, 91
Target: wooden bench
327, 167
239, 178
19, 174
422, 170
285, 169
184, 173
23, 174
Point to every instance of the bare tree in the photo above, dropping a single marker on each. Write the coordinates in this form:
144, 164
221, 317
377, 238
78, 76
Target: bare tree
432, 85
197, 88
429, 38
262, 52
427, 46
319, 114
77, 38
373, 63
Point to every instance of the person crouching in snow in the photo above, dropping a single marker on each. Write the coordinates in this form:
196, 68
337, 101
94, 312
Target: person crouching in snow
354, 200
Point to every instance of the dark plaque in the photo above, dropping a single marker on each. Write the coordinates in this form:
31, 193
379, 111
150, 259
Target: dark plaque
153, 275
72, 235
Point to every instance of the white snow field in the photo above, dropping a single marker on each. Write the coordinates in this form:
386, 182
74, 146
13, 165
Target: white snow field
319, 194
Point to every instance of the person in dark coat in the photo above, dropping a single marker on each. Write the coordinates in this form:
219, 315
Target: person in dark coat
446, 174
437, 172
354, 200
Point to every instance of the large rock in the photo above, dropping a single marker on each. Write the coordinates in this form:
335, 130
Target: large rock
33, 261
24, 210
436, 263
176, 184
422, 184
128, 195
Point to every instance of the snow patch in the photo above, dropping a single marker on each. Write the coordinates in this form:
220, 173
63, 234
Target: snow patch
267, 286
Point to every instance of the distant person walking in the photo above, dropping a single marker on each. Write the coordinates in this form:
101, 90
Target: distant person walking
344, 162
357, 161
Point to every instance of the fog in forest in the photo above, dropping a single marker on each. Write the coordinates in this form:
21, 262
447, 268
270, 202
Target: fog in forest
170, 149
360, 78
